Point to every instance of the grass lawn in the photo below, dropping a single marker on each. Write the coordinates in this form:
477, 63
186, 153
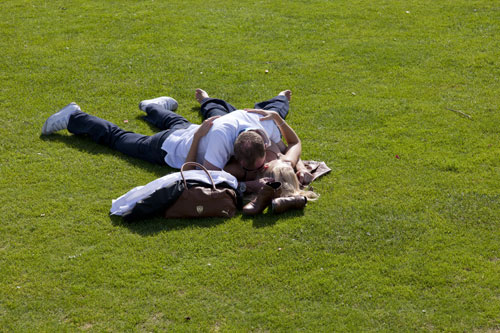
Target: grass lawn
405, 235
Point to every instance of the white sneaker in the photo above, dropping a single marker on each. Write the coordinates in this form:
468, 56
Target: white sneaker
167, 103
59, 120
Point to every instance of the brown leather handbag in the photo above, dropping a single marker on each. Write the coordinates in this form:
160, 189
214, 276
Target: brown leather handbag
198, 201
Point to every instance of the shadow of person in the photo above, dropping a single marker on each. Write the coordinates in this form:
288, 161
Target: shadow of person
197, 110
152, 226
156, 225
86, 145
142, 117
267, 218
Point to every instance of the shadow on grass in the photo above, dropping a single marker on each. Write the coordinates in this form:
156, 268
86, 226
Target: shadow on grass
152, 127
196, 109
268, 219
85, 144
156, 225
153, 226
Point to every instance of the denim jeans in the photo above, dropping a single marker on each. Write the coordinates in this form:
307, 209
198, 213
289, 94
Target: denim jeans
144, 147
217, 107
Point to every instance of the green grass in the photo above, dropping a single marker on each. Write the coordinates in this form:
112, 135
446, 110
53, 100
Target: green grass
408, 244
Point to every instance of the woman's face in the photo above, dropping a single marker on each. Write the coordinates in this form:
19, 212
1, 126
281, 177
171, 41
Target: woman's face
283, 172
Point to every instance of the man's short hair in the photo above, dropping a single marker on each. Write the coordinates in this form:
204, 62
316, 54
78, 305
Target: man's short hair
248, 147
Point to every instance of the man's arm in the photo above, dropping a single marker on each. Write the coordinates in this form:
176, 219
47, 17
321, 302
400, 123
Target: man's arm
234, 168
210, 166
198, 135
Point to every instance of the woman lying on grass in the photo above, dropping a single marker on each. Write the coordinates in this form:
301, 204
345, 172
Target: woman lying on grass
282, 167
280, 171
282, 162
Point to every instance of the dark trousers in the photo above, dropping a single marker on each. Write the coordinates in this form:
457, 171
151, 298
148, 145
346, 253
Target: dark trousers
144, 147
217, 107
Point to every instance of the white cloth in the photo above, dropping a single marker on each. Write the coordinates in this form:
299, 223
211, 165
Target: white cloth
128, 201
218, 145
177, 146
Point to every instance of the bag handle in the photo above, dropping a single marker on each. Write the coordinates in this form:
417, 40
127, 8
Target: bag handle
199, 166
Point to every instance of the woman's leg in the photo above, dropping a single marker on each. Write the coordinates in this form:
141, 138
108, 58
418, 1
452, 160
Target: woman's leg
140, 146
212, 106
215, 107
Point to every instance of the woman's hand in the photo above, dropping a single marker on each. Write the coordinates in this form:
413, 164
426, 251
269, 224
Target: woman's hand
204, 127
304, 177
268, 115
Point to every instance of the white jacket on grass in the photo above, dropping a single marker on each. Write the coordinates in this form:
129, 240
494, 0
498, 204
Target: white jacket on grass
127, 202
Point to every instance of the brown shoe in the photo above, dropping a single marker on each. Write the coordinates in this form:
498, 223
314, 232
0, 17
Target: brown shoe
280, 205
270, 191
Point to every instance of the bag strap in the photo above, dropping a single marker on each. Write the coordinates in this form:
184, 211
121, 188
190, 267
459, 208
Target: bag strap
199, 166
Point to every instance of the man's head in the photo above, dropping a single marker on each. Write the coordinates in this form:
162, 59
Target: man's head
250, 150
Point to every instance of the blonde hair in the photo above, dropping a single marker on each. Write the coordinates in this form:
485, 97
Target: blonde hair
290, 186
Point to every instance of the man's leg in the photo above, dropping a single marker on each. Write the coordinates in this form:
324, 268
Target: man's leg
140, 146
165, 119
280, 103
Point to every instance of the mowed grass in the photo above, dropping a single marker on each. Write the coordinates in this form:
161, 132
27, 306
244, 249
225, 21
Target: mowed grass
405, 235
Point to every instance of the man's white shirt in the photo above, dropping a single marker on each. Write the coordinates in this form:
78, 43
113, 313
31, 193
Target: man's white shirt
218, 145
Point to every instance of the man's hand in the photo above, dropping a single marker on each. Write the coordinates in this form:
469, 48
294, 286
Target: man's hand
204, 128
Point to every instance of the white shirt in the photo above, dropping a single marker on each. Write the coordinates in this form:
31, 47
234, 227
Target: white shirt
218, 145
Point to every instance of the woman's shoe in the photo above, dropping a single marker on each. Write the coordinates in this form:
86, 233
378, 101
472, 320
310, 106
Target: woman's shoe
270, 191
280, 205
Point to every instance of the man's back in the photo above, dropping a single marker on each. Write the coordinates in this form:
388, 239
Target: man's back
218, 145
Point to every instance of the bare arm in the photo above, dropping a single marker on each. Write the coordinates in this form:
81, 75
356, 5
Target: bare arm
234, 168
198, 135
294, 148
303, 175
253, 185
210, 166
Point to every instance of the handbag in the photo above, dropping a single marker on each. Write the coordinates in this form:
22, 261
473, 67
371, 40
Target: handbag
203, 201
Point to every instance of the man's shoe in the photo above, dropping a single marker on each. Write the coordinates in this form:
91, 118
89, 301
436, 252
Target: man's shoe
270, 191
60, 119
165, 102
283, 204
